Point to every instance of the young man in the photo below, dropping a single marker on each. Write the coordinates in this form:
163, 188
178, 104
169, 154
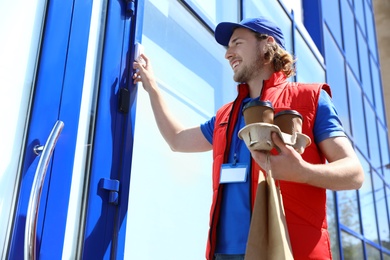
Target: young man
256, 53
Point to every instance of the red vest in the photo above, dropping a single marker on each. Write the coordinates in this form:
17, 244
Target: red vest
304, 205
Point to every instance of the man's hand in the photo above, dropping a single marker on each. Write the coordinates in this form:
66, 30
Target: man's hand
144, 73
286, 165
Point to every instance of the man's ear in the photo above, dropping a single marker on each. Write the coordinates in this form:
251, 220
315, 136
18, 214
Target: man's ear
270, 39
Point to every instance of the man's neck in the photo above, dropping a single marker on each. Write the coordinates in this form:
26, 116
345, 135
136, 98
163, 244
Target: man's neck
256, 84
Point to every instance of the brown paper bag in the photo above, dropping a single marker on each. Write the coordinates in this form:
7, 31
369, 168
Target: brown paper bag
268, 237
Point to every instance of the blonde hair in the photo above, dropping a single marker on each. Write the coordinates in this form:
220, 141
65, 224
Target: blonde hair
281, 59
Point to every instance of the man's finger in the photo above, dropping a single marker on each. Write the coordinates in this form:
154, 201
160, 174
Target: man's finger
277, 140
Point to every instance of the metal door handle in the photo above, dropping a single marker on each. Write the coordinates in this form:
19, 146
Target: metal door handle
36, 190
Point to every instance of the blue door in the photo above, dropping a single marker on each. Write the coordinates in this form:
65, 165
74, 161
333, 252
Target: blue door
81, 122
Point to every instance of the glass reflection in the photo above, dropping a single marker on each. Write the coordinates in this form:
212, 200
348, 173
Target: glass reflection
358, 123
365, 67
348, 209
352, 247
331, 12
368, 210
349, 36
381, 209
332, 223
367, 203
377, 89
335, 76
372, 252
385, 256
308, 67
373, 144
371, 35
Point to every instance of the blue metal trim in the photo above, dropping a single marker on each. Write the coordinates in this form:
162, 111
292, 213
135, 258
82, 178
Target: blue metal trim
136, 36
313, 22
105, 229
337, 210
112, 186
99, 231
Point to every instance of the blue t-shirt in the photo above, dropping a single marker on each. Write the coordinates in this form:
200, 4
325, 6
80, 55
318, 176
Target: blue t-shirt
234, 222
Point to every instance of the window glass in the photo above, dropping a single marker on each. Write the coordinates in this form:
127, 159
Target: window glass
170, 193
331, 14
386, 173
214, 11
313, 22
20, 30
308, 67
373, 144
358, 123
378, 91
372, 252
332, 222
371, 35
384, 150
296, 7
335, 76
352, 247
367, 203
381, 210
365, 67
349, 36
272, 10
359, 14
348, 209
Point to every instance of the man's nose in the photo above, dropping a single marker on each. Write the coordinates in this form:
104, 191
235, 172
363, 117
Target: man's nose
228, 53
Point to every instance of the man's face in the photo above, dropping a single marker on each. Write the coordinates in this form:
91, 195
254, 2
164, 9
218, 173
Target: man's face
245, 55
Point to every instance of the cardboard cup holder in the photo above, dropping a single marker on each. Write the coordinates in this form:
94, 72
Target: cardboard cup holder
257, 132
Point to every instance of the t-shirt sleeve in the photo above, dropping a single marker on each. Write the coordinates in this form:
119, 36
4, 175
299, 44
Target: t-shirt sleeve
208, 129
327, 122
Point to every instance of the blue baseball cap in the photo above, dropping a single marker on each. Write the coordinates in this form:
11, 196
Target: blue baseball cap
224, 31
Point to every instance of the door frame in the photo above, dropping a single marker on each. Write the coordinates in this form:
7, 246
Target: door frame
117, 103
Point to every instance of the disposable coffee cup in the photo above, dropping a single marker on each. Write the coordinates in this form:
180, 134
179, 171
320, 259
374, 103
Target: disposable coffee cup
289, 121
258, 111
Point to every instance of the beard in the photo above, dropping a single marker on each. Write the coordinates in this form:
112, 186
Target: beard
251, 70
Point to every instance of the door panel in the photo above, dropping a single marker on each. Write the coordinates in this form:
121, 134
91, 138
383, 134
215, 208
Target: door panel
61, 91
57, 97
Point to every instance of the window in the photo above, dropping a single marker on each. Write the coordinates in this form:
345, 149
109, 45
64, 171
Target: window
331, 14
349, 36
381, 210
309, 69
348, 209
357, 112
352, 247
377, 89
335, 76
367, 203
373, 144
365, 67
214, 11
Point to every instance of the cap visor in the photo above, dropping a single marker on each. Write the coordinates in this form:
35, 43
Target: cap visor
224, 31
